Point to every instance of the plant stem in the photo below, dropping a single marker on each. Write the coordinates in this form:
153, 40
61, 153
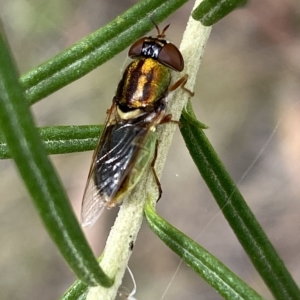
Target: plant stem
117, 251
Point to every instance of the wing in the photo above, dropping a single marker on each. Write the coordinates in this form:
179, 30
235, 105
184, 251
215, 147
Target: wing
119, 160
114, 159
92, 204
112, 162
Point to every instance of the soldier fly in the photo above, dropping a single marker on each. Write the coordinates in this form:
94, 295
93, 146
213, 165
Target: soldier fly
128, 143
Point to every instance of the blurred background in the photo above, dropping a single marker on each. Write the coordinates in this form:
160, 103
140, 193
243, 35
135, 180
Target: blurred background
247, 93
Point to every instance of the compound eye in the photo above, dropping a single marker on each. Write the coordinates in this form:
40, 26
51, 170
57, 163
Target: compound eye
171, 57
136, 49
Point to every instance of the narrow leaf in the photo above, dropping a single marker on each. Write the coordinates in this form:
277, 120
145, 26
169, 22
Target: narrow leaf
48, 195
236, 211
210, 12
63, 139
78, 291
97, 48
215, 273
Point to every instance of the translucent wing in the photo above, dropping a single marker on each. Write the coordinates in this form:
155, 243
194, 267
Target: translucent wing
118, 162
92, 204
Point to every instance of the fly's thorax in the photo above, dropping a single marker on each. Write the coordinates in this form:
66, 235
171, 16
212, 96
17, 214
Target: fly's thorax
144, 82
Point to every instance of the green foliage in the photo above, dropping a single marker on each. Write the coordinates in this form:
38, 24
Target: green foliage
201, 261
23, 142
210, 12
235, 209
63, 139
95, 49
39, 176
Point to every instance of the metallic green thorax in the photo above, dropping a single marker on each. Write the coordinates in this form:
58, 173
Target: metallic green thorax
144, 82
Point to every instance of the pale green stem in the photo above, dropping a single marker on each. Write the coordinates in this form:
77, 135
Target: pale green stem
117, 250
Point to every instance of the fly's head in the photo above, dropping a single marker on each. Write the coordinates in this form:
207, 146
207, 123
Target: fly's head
158, 48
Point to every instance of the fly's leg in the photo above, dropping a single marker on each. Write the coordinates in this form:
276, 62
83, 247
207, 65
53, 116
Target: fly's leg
154, 172
181, 83
168, 119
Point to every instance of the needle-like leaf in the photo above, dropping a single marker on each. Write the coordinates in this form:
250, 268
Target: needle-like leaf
39, 176
235, 209
215, 273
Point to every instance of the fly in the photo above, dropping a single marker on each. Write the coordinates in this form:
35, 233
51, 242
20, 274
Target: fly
128, 143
